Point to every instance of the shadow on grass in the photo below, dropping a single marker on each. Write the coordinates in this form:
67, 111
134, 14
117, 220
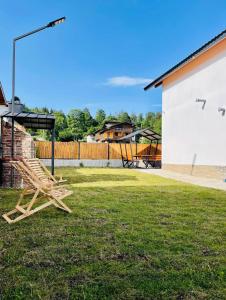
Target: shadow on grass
100, 177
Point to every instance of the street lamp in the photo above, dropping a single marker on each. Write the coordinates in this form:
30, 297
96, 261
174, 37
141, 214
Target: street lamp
56, 22
50, 24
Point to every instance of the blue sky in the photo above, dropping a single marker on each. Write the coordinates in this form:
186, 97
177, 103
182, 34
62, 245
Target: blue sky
104, 53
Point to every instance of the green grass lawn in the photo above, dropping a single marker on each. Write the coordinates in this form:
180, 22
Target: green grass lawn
130, 236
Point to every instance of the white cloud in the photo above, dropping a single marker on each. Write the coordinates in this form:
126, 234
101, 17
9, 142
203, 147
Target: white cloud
127, 81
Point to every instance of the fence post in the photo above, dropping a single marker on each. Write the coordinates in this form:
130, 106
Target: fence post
156, 149
108, 149
78, 150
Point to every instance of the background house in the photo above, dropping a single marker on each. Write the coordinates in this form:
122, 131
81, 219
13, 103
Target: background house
113, 131
193, 112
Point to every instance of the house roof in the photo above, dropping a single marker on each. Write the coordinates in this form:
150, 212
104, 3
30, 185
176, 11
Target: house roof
146, 132
116, 123
158, 81
2, 96
112, 122
33, 120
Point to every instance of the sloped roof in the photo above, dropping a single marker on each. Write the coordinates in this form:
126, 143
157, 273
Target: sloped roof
146, 132
158, 81
2, 96
116, 123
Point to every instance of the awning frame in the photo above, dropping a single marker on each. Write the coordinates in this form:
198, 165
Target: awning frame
146, 132
31, 120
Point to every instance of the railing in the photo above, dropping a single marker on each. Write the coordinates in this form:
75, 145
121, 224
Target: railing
77, 150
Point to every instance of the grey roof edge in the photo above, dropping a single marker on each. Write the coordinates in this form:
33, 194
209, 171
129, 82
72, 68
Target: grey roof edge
140, 131
28, 115
156, 82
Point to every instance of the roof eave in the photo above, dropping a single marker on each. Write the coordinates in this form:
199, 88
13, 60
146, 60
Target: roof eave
158, 81
154, 83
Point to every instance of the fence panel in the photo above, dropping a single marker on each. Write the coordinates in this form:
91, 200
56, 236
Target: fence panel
63, 150
74, 150
43, 149
93, 151
115, 152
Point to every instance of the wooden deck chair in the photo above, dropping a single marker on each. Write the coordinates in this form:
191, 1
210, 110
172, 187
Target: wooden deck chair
39, 190
37, 166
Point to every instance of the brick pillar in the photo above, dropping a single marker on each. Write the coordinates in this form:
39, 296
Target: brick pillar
23, 148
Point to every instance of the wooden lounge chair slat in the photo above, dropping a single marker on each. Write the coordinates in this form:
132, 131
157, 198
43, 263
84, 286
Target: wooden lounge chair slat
41, 171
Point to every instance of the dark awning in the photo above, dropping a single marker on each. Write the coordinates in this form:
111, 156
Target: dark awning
147, 133
33, 120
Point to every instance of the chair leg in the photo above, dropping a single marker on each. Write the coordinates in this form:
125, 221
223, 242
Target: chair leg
18, 207
25, 210
33, 200
61, 205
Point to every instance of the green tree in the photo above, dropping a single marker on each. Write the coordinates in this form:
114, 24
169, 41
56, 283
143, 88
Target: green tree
76, 123
140, 119
66, 135
133, 118
149, 120
60, 123
157, 126
100, 116
91, 130
111, 118
123, 117
89, 120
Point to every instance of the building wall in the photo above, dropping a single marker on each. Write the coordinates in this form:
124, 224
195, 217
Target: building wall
23, 148
192, 135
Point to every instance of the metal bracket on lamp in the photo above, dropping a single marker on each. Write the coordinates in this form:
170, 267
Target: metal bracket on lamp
221, 110
203, 101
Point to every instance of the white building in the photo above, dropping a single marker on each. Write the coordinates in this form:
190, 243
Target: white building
90, 138
193, 112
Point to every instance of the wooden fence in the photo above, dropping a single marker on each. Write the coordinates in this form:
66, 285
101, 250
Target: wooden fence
77, 150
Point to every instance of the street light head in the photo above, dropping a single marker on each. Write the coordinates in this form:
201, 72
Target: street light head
56, 22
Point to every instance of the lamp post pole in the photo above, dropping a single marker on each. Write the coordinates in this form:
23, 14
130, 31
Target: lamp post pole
12, 108
49, 25
13, 75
